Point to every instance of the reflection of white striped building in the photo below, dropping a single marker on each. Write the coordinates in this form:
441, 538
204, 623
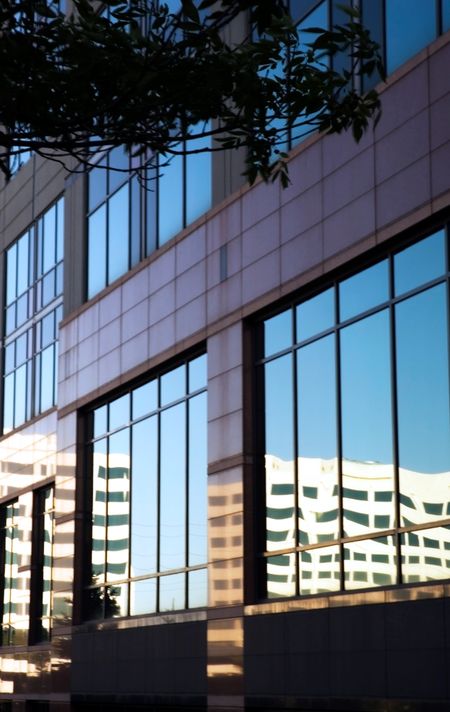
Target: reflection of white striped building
368, 504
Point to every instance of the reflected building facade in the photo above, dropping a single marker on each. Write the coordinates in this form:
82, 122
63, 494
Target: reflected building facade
225, 446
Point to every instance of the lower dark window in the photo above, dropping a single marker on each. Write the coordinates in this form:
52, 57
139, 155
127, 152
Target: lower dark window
357, 429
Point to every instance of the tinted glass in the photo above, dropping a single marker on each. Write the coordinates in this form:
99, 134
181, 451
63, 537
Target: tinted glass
118, 226
420, 263
118, 505
172, 592
319, 570
22, 264
317, 446
445, 15
364, 291
173, 385
198, 166
423, 400
144, 504
197, 481
11, 267
173, 488
410, 26
315, 315
145, 399
49, 239
97, 252
366, 420
370, 563
119, 412
278, 333
197, 373
170, 199
47, 378
280, 454
97, 185
99, 483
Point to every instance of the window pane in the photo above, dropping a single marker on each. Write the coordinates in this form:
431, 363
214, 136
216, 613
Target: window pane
445, 15
118, 234
420, 263
279, 458
119, 412
372, 18
20, 396
173, 488
366, 422
318, 500
364, 291
173, 385
97, 184
8, 403
119, 160
197, 373
370, 563
47, 378
319, 570
410, 26
315, 315
198, 177
172, 592
116, 600
11, 266
49, 239
423, 403
425, 555
22, 264
281, 575
100, 424
143, 597
144, 503
198, 588
198, 516
60, 230
118, 504
145, 399
170, 199
99, 483
278, 333
97, 252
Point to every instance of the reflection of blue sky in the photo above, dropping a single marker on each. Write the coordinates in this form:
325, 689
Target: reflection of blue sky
423, 386
279, 408
410, 25
420, 263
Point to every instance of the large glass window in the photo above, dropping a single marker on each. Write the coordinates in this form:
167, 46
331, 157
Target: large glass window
26, 562
129, 218
357, 429
147, 467
34, 285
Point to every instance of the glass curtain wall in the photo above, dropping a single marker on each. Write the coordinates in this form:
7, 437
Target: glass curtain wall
148, 467
357, 429
34, 286
129, 218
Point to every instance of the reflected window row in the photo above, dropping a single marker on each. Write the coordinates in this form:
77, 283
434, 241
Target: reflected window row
357, 420
26, 564
34, 286
130, 217
147, 543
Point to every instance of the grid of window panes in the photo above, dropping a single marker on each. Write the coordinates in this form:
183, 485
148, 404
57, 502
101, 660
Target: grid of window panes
129, 218
148, 468
420, 22
43, 535
357, 429
34, 285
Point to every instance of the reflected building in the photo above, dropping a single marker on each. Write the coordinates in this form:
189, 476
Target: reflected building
225, 431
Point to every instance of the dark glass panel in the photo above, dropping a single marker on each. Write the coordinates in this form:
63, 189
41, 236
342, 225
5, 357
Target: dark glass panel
281, 575
97, 252
279, 458
278, 333
372, 18
425, 555
150, 209
11, 267
366, 419
49, 239
445, 15
172, 592
364, 290
197, 517
144, 497
173, 385
299, 8
319, 570
135, 226
420, 263
97, 184
198, 588
172, 531
423, 400
99, 491
47, 378
143, 597
341, 61
315, 315
170, 198
197, 373
118, 234
317, 441
145, 399
198, 177
118, 505
116, 600
369, 563
410, 26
